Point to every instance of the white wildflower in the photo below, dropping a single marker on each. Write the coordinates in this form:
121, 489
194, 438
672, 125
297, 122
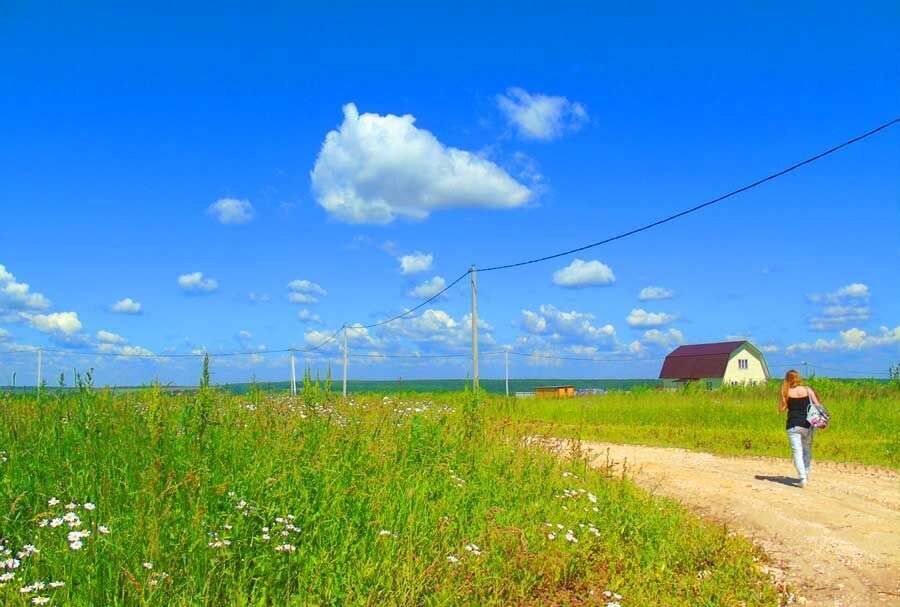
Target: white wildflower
40, 600
147, 565
52, 501
570, 536
71, 506
89, 506
285, 548
7, 577
76, 545
56, 522
103, 529
59, 584
452, 559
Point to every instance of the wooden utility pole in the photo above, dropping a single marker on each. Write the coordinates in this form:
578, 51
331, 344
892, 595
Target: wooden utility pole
474, 333
39, 371
506, 357
293, 375
346, 360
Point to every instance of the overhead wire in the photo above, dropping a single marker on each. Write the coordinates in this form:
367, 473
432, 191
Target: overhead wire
698, 207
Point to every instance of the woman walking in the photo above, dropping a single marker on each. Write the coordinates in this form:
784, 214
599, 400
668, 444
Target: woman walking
795, 399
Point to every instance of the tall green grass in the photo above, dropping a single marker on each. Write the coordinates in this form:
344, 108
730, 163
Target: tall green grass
215, 499
865, 424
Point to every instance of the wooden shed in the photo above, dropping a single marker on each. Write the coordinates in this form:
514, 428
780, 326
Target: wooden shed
555, 392
730, 363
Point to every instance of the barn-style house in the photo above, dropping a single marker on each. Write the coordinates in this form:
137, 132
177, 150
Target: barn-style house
728, 363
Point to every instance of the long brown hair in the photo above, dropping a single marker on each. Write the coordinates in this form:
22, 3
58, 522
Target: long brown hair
792, 379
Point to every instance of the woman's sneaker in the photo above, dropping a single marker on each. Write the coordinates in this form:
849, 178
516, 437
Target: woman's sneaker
803, 483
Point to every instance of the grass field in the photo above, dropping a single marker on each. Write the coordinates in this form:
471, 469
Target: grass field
144, 498
865, 425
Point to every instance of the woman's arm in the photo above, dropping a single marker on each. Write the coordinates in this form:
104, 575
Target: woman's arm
813, 395
782, 405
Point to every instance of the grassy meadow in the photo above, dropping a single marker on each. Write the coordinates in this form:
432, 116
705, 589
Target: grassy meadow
210, 498
865, 426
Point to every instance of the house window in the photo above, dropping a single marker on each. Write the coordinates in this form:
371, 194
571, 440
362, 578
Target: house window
743, 363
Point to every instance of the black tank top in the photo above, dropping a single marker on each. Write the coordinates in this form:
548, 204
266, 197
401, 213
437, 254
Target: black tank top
796, 413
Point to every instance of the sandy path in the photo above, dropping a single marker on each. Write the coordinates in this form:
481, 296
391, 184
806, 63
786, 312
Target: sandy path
837, 542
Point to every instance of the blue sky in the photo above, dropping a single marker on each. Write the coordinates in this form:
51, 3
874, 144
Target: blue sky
298, 154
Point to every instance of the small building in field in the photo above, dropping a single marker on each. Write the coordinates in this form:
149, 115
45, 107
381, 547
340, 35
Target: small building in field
555, 392
728, 363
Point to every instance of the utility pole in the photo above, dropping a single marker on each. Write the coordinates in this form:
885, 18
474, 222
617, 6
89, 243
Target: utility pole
293, 375
506, 357
805, 369
346, 360
474, 333
39, 370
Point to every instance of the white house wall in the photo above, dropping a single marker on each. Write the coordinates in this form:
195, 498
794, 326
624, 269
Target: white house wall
754, 373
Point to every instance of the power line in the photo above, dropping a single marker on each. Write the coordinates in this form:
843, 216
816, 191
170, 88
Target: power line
419, 306
694, 209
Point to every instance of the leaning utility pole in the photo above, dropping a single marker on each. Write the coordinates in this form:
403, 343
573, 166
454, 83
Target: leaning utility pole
346, 360
474, 333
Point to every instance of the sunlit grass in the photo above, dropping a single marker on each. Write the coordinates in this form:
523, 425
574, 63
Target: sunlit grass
212, 499
865, 425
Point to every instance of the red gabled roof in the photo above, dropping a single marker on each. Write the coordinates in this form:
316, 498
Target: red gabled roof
699, 360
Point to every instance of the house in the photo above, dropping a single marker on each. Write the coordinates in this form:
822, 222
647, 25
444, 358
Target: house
555, 392
729, 363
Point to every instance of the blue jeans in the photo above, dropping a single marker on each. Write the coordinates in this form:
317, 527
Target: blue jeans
801, 449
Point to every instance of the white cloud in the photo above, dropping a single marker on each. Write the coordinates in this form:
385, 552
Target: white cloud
127, 306
258, 297
16, 295
665, 339
641, 318
4, 335
109, 337
653, 293
231, 210
435, 326
416, 262
124, 350
561, 326
768, 349
582, 273
429, 288
856, 290
542, 117
376, 168
356, 335
304, 292
307, 316
66, 323
244, 335
196, 283
835, 316
851, 339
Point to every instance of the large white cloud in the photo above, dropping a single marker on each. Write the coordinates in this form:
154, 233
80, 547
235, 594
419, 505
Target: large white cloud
541, 117
16, 295
376, 168
654, 293
429, 288
195, 282
582, 273
560, 326
66, 323
416, 262
127, 306
4, 335
231, 210
639, 317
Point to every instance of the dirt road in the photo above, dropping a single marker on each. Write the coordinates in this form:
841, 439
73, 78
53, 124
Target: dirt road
836, 542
